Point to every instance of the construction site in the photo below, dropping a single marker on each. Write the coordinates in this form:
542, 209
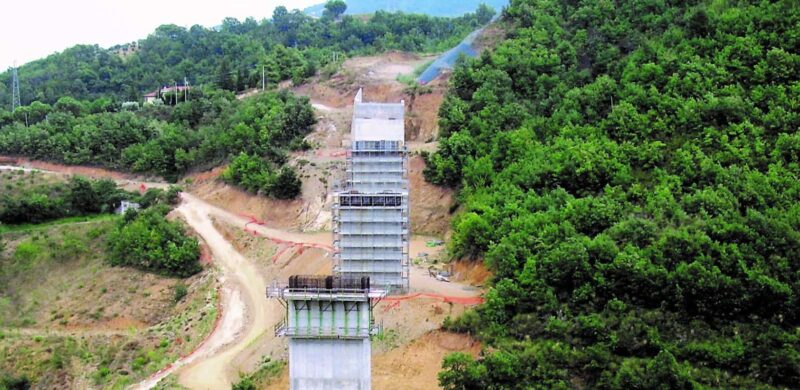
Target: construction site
357, 184
371, 213
329, 324
329, 320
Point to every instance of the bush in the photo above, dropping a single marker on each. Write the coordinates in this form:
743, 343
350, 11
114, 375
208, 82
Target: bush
244, 384
8, 382
43, 203
256, 175
149, 242
180, 292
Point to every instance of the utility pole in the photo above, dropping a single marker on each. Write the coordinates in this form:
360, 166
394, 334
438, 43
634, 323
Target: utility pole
263, 78
15, 98
176, 94
185, 89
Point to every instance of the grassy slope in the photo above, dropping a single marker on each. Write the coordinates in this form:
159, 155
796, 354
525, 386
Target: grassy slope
69, 319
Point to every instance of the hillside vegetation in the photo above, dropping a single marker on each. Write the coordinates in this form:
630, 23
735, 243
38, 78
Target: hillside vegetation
629, 171
163, 140
290, 46
88, 297
32, 198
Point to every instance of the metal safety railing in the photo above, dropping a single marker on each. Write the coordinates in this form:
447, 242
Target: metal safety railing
283, 291
282, 329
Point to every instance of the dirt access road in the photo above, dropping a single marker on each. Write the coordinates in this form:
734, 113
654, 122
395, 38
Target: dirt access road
245, 327
246, 314
247, 320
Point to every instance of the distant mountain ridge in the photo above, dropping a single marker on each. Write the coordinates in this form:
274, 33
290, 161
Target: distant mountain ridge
447, 8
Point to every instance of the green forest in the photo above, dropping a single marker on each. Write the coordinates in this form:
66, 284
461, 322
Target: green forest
162, 140
289, 46
629, 172
75, 111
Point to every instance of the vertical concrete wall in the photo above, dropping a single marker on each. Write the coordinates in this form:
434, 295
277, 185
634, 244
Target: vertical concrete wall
329, 364
378, 121
378, 129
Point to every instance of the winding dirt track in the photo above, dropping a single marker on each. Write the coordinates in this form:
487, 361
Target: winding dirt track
247, 316
247, 320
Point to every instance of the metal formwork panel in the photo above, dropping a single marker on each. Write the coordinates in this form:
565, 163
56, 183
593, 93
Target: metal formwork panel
371, 237
371, 218
375, 166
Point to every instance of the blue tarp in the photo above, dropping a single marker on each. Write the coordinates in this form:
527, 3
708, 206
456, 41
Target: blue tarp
448, 60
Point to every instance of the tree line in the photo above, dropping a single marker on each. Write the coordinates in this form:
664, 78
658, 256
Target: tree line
629, 172
78, 197
289, 46
143, 238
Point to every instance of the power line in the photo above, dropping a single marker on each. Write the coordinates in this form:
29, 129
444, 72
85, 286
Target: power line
15, 98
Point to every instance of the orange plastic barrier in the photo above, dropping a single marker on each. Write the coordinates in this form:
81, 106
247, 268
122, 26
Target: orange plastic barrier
300, 246
459, 300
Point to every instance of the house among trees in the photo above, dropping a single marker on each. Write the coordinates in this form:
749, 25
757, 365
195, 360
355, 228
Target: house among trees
151, 97
127, 205
127, 49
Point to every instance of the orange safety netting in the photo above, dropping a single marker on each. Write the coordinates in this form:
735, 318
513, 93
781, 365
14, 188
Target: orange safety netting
459, 300
300, 246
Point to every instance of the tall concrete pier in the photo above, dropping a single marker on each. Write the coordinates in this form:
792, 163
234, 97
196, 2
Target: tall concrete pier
329, 323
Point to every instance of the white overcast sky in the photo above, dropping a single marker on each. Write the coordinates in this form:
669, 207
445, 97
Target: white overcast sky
31, 29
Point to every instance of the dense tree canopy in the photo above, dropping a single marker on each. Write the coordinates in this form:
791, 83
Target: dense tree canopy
629, 171
78, 197
335, 8
290, 46
163, 140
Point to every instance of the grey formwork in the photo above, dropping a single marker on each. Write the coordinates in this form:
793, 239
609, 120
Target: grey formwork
371, 215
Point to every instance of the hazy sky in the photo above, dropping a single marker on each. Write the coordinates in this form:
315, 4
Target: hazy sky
31, 29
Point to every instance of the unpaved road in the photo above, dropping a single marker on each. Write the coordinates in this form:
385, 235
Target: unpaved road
247, 317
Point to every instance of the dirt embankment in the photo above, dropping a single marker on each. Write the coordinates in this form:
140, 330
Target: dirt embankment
60, 301
411, 339
322, 168
75, 170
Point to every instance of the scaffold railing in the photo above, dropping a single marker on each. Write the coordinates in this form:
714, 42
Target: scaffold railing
282, 329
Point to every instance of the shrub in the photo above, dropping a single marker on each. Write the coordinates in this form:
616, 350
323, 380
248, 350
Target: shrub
180, 292
149, 242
